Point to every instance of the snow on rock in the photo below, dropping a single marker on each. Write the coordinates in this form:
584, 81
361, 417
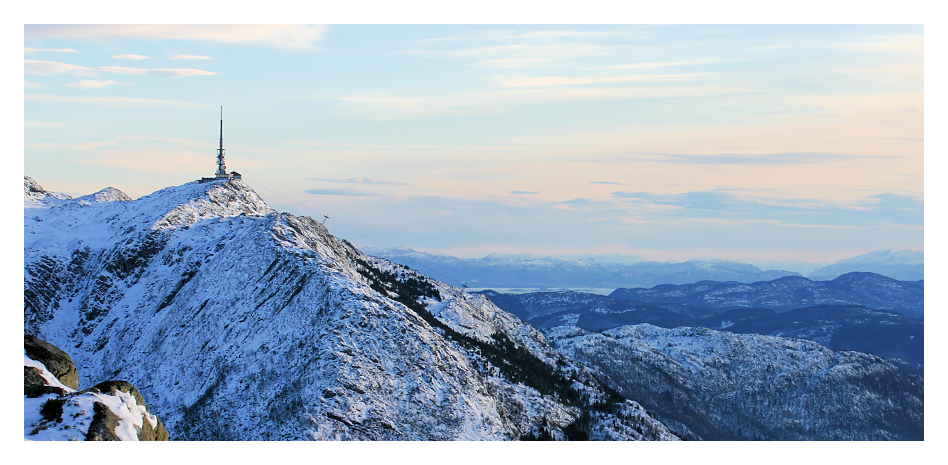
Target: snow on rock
53, 411
239, 322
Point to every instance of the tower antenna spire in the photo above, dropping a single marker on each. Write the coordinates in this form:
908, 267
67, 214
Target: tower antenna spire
221, 168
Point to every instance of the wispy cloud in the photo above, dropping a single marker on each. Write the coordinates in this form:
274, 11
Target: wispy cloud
189, 57
45, 68
746, 205
51, 67
360, 145
606, 182
785, 158
520, 56
148, 160
173, 140
661, 64
901, 44
46, 98
290, 37
162, 72
555, 81
29, 50
512, 35
494, 100
516, 49
344, 192
91, 84
524, 192
43, 124
131, 57
360, 181
65, 146
31, 85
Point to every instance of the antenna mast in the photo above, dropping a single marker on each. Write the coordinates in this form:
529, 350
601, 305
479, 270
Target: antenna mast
221, 168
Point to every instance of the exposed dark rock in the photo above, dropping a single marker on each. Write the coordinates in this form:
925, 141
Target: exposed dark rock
57, 362
103, 424
34, 385
53, 410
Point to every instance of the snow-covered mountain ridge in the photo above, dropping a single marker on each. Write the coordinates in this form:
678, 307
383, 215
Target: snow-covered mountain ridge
239, 322
720, 385
897, 337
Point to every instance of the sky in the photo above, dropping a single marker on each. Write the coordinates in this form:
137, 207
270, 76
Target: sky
778, 142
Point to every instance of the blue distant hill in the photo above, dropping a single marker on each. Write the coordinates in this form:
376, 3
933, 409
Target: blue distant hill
905, 265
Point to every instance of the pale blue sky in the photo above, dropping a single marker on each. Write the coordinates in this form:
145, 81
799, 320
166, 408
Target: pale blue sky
669, 142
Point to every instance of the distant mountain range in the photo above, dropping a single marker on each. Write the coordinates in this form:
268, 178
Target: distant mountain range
905, 265
605, 272
536, 272
868, 289
857, 311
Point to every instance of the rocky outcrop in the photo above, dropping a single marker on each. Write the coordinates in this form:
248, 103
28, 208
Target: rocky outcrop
55, 410
56, 361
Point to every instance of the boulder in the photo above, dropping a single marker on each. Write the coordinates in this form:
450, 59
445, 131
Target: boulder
57, 362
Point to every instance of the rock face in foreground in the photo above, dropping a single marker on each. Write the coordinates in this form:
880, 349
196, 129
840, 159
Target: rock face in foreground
722, 386
241, 323
54, 408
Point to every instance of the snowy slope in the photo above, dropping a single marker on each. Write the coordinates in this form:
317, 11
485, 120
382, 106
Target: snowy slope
239, 322
720, 385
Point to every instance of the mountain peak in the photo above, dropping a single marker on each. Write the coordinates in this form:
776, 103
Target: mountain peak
903, 265
189, 203
30, 185
34, 196
109, 194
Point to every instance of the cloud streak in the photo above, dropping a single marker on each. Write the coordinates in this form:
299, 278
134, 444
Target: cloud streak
189, 57
784, 158
29, 50
361, 181
46, 68
342, 192
742, 205
558, 81
46, 98
130, 57
161, 72
91, 84
65, 146
290, 37
496, 100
